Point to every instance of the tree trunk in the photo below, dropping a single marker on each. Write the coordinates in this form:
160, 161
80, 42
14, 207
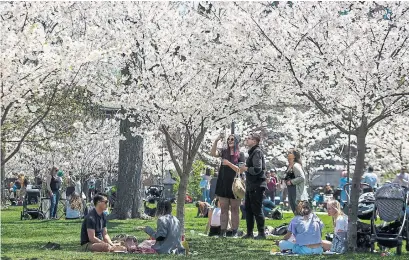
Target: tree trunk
356, 181
3, 174
180, 207
137, 180
129, 173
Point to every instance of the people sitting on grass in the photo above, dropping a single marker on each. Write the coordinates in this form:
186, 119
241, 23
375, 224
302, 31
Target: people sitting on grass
94, 233
169, 231
328, 189
213, 227
268, 206
213, 224
340, 222
74, 206
202, 209
306, 228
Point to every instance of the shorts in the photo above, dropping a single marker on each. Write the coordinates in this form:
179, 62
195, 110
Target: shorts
85, 247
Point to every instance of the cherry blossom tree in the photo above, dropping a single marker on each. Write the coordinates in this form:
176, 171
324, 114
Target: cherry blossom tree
348, 59
180, 79
389, 144
50, 49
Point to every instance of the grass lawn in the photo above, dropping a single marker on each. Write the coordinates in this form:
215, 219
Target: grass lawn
23, 239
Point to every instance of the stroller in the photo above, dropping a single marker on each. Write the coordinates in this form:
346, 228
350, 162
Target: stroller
31, 213
391, 201
153, 194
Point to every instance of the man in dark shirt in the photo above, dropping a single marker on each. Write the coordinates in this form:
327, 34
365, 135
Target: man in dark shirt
94, 234
255, 186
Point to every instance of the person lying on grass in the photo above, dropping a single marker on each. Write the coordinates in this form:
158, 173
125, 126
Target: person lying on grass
306, 228
94, 234
340, 222
169, 231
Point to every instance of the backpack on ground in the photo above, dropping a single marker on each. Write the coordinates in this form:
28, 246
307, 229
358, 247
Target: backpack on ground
281, 230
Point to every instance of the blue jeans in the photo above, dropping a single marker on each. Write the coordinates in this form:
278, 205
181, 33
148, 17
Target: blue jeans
268, 205
54, 204
297, 249
206, 195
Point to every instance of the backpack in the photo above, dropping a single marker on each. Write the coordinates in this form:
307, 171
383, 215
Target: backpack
281, 230
277, 214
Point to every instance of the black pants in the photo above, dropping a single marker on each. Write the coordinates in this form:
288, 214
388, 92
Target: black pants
292, 197
254, 210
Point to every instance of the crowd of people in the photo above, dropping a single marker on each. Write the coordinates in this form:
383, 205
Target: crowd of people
221, 205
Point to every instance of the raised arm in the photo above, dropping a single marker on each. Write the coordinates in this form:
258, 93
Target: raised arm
214, 151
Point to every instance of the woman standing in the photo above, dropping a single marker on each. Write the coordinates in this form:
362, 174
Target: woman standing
205, 186
344, 180
231, 156
295, 180
255, 169
53, 187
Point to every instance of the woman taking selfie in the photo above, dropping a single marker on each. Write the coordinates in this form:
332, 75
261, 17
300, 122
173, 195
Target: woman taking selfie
231, 157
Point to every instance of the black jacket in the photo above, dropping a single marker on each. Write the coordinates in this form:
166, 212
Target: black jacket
256, 173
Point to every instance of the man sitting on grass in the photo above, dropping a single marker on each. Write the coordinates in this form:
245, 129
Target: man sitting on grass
94, 234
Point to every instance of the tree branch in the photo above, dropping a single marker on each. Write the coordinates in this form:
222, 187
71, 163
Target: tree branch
32, 126
171, 153
165, 131
6, 111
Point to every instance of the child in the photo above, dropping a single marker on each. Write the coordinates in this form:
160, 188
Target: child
214, 220
169, 231
213, 224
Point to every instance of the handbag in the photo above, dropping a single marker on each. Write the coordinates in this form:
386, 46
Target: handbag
339, 243
238, 187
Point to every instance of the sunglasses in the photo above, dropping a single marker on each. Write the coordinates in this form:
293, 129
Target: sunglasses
230, 139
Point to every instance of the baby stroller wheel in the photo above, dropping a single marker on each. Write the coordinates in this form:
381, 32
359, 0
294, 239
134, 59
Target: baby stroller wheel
41, 215
399, 250
26, 216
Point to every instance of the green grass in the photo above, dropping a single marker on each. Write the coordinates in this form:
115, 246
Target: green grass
23, 239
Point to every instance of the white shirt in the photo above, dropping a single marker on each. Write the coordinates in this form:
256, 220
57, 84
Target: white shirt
404, 181
215, 222
341, 224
